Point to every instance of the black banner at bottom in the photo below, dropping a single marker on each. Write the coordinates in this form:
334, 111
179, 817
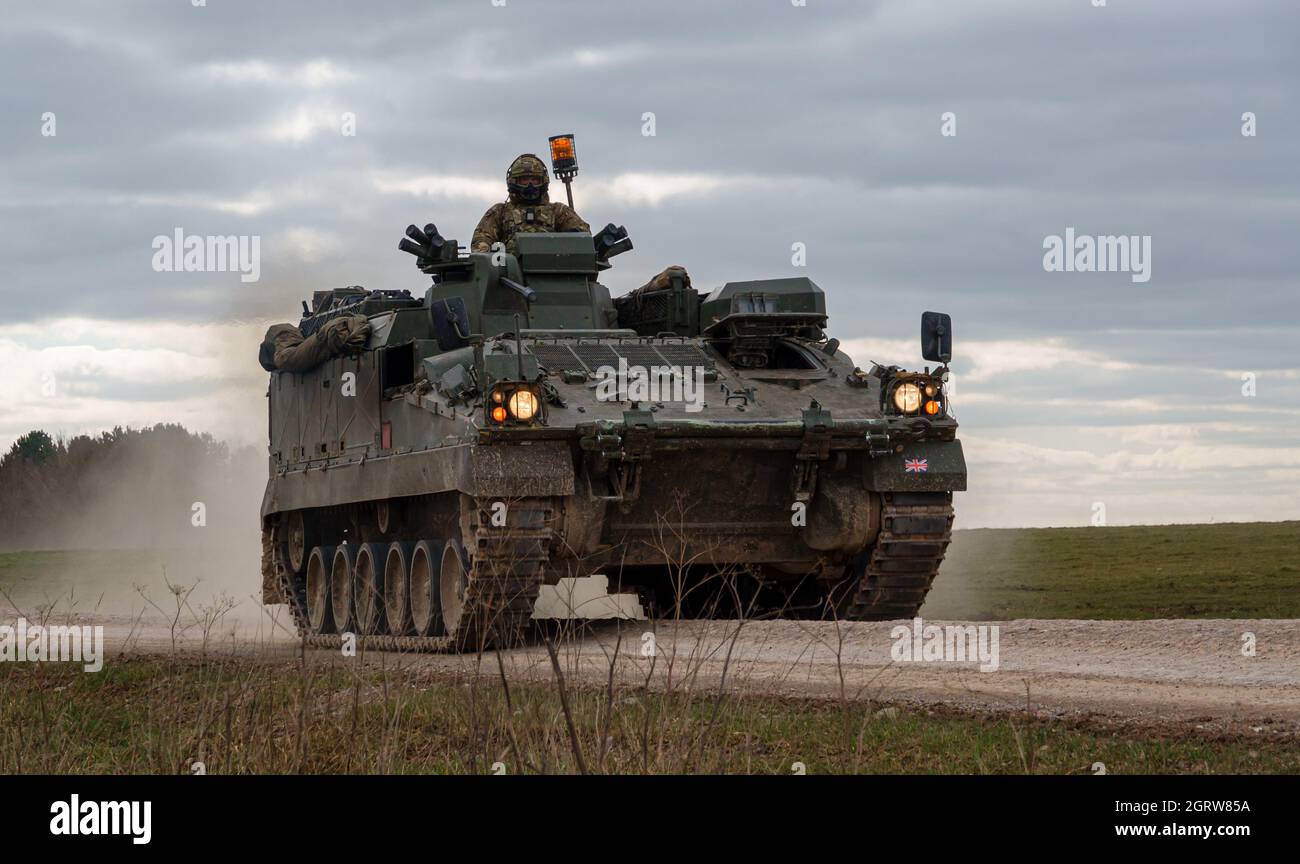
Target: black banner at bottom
335, 814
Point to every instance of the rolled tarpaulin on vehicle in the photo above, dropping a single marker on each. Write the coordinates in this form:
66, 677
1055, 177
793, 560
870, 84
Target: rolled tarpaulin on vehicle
285, 350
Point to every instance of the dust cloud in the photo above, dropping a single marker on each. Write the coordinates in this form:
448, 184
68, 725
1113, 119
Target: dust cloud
157, 507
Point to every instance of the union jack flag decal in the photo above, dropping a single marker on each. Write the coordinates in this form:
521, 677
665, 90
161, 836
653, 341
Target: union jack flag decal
916, 466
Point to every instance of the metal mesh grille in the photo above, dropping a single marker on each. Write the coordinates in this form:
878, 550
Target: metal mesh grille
555, 358
654, 306
644, 356
595, 355
685, 355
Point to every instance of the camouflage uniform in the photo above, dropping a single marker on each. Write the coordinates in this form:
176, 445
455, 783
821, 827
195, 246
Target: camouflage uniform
503, 221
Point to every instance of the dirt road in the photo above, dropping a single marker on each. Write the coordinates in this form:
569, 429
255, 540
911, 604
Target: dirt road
1189, 675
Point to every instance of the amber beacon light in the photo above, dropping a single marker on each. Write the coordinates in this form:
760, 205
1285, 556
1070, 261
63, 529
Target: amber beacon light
564, 161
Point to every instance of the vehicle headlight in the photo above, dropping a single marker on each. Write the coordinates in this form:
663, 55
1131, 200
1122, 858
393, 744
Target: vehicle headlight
907, 398
523, 404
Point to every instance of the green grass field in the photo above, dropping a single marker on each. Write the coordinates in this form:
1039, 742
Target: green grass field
1239, 570
106, 580
40, 576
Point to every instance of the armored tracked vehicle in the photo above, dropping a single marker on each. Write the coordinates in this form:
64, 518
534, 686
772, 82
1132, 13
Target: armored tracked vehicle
515, 425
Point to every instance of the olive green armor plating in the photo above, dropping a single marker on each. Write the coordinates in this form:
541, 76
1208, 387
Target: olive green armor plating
515, 426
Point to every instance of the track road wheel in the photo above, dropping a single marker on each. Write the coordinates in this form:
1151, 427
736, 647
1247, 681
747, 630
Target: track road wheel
397, 588
425, 599
341, 582
453, 580
295, 540
320, 616
368, 588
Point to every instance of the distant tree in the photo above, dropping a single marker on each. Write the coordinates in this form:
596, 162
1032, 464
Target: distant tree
36, 447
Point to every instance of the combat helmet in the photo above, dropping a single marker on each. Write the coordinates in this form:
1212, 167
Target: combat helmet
527, 165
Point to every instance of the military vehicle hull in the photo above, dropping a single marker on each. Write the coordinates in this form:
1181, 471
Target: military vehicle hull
784, 489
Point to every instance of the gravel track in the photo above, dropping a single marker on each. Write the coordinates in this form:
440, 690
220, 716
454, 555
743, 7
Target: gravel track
1187, 676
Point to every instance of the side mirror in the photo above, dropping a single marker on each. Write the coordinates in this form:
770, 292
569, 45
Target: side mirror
936, 337
450, 323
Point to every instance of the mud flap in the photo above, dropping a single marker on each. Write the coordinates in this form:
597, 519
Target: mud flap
540, 468
926, 466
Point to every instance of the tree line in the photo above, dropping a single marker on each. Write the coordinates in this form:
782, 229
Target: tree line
124, 488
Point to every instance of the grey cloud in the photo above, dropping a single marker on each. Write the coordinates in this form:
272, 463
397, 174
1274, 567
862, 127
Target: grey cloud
1117, 120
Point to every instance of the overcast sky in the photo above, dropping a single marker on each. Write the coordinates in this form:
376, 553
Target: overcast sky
774, 124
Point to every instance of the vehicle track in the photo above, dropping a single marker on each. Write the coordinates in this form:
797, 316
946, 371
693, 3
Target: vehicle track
898, 569
503, 569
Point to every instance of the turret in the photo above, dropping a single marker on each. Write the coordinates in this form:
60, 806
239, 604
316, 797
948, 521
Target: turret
550, 284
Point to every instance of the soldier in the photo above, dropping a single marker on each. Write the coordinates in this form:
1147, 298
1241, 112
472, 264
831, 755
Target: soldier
529, 209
